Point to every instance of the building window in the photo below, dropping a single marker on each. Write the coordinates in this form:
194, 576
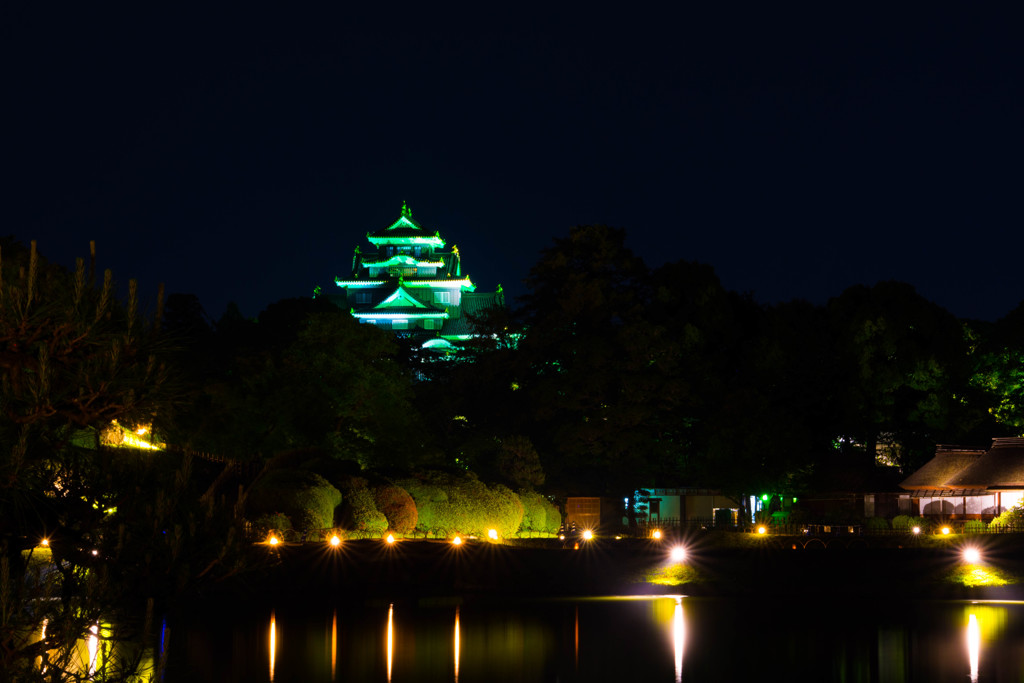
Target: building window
399, 324
431, 324
442, 297
363, 297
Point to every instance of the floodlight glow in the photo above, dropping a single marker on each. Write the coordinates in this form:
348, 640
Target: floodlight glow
972, 555
587, 535
273, 540
916, 529
945, 531
335, 541
762, 530
656, 535
390, 539
45, 542
492, 534
678, 554
457, 540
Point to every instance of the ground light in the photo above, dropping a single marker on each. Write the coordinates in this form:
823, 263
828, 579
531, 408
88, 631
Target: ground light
492, 534
390, 539
335, 541
45, 542
273, 540
678, 554
916, 529
762, 530
945, 531
457, 540
972, 555
588, 535
656, 534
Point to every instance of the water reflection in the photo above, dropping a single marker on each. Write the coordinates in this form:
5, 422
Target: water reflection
391, 637
679, 638
658, 639
456, 645
273, 643
973, 645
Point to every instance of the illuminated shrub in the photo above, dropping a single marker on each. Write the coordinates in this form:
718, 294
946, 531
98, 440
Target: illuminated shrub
1012, 519
974, 526
306, 498
274, 521
502, 510
876, 524
359, 513
902, 522
397, 506
539, 514
463, 504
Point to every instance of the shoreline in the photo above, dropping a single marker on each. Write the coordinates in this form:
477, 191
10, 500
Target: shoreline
746, 567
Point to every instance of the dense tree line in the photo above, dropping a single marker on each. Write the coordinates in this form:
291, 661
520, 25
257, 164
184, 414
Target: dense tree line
609, 376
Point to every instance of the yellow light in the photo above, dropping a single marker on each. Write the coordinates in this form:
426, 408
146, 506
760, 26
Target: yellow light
656, 535
141, 430
917, 529
273, 540
45, 542
561, 537
972, 555
492, 534
335, 541
945, 531
587, 535
390, 538
761, 530
457, 540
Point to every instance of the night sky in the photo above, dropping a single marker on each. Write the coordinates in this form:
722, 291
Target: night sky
241, 155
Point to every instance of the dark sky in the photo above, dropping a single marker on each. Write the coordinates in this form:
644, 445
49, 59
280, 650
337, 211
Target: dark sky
241, 155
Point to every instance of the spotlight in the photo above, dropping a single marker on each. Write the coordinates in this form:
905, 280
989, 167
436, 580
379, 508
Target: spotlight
972, 555
762, 530
335, 541
678, 554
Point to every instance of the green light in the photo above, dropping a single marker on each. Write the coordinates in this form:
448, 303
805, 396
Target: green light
359, 283
400, 316
764, 496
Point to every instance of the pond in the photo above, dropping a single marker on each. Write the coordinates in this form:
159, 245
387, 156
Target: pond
665, 638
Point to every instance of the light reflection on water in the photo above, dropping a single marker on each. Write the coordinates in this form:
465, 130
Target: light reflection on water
655, 639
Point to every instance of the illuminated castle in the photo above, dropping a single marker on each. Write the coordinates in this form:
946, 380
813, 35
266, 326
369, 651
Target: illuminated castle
412, 285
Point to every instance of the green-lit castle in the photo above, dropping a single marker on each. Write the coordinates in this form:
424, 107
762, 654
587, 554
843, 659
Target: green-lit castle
412, 285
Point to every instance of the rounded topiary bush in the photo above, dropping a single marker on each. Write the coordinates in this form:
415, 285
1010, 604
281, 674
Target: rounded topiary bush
305, 497
397, 506
539, 514
876, 524
463, 504
360, 514
502, 510
902, 522
974, 526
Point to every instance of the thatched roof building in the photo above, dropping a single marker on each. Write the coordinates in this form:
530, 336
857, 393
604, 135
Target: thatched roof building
965, 482
1002, 467
940, 471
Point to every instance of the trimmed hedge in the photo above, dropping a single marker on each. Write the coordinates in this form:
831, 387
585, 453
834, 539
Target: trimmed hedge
539, 513
449, 504
360, 513
305, 497
397, 506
